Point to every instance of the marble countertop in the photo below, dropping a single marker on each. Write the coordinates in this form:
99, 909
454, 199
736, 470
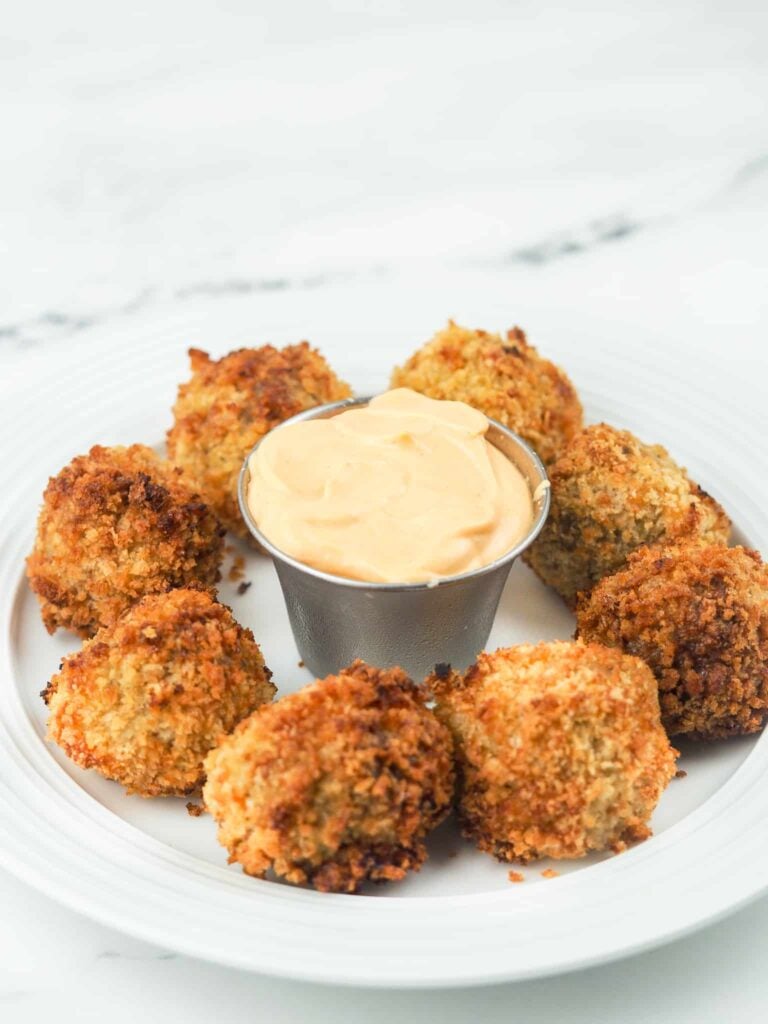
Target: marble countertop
611, 166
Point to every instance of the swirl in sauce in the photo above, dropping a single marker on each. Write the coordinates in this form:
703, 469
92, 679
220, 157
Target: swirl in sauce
404, 490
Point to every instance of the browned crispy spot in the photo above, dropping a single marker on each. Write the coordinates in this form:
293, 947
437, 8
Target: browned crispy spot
146, 699
237, 569
698, 615
612, 494
560, 749
117, 524
334, 785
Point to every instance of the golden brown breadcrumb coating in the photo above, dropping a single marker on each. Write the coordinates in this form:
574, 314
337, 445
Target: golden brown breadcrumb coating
336, 784
698, 615
117, 524
503, 377
230, 403
560, 749
146, 699
612, 494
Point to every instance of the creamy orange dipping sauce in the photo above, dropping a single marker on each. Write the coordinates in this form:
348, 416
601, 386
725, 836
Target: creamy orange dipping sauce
403, 490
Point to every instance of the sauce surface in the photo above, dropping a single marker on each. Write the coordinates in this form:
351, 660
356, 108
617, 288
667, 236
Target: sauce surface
404, 490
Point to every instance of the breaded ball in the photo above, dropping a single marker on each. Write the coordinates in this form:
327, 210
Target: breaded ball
117, 524
560, 749
698, 615
336, 784
146, 699
230, 403
503, 377
612, 494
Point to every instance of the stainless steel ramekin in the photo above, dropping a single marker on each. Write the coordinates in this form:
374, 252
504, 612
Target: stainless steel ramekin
414, 625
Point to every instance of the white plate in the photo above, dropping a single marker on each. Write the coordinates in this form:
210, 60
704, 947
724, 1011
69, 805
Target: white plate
149, 869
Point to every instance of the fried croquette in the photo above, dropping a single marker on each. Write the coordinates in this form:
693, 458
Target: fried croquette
612, 494
146, 699
503, 377
117, 524
698, 615
336, 784
230, 403
560, 749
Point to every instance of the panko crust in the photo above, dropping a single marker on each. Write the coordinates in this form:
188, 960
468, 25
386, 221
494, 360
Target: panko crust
232, 402
145, 700
335, 785
502, 376
698, 615
612, 494
560, 749
116, 524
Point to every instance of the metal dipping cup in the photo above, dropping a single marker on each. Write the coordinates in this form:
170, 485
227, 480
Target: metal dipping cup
414, 625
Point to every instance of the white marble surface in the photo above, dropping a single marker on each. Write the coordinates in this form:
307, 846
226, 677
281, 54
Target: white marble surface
609, 168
